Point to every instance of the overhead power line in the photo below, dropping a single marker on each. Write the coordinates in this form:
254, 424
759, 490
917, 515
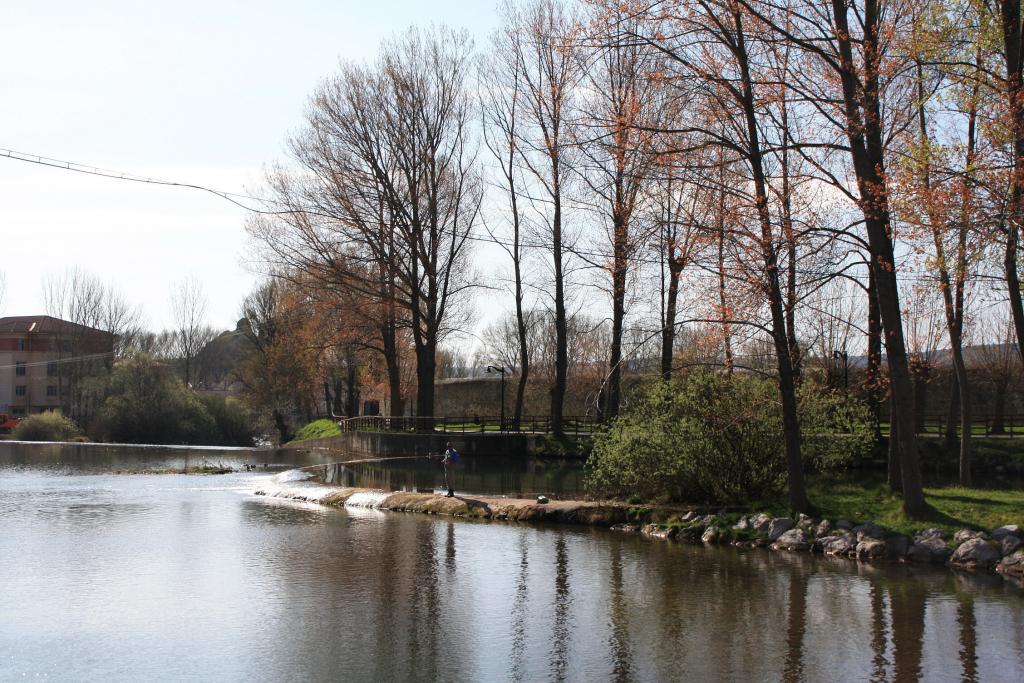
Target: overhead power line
240, 199
233, 197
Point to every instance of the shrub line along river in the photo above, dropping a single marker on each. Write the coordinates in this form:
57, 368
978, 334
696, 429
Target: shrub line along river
173, 577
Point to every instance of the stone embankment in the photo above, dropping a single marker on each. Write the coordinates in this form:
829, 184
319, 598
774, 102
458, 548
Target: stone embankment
1001, 549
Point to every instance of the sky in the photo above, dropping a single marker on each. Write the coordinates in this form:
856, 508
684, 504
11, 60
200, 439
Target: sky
204, 92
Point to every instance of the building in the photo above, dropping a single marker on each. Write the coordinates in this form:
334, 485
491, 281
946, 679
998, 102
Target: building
39, 357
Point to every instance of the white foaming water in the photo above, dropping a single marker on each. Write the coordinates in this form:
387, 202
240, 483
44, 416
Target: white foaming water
367, 499
292, 475
307, 492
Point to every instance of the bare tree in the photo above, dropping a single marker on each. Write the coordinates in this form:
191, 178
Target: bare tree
191, 332
551, 73
850, 68
619, 149
94, 317
388, 173
501, 81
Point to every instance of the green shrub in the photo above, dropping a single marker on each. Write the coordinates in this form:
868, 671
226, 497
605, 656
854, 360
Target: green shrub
836, 428
148, 403
318, 429
234, 422
48, 426
715, 438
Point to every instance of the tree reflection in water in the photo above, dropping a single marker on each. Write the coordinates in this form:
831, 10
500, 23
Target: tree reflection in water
519, 613
561, 633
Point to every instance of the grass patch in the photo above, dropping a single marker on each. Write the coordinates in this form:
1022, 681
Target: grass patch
317, 429
954, 507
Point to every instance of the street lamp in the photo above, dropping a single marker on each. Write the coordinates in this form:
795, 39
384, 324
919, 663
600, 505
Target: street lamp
842, 355
501, 371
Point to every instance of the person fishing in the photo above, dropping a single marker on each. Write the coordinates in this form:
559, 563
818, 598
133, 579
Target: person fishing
448, 461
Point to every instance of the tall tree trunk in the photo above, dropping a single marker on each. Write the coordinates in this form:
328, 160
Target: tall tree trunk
894, 473
864, 130
613, 385
952, 416
352, 389
873, 374
561, 323
426, 370
722, 300
396, 408
789, 236
787, 375
668, 329
1012, 53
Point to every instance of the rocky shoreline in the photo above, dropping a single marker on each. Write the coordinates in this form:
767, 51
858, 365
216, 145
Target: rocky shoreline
1000, 550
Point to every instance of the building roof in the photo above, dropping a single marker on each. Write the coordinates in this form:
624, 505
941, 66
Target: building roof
44, 324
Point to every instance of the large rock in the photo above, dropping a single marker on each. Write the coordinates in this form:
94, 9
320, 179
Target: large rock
804, 521
1010, 545
1007, 530
868, 530
930, 533
1012, 565
692, 533
870, 549
929, 549
842, 545
760, 523
793, 539
779, 526
897, 546
823, 528
965, 535
710, 536
742, 525
656, 531
975, 553
844, 524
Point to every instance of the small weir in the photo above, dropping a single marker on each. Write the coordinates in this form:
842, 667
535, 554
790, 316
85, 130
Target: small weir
367, 499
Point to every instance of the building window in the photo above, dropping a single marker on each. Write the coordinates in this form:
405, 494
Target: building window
51, 390
20, 390
19, 368
51, 369
21, 344
17, 411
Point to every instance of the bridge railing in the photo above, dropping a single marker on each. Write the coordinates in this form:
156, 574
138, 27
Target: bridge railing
466, 424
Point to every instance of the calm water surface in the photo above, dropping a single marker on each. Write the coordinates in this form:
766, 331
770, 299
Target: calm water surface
168, 577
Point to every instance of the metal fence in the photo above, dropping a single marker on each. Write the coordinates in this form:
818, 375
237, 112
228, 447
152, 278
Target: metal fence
1009, 426
466, 424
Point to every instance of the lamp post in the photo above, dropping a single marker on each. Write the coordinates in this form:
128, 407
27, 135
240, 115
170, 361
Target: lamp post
501, 371
842, 355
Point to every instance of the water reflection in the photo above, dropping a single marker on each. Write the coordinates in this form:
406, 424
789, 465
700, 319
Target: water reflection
796, 625
519, 613
102, 458
517, 477
560, 625
257, 589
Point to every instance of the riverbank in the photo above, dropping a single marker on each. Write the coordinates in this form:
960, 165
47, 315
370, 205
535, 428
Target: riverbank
1000, 549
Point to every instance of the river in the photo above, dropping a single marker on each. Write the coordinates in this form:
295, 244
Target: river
110, 577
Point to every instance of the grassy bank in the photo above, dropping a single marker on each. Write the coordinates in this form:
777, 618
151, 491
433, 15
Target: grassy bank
317, 429
954, 507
